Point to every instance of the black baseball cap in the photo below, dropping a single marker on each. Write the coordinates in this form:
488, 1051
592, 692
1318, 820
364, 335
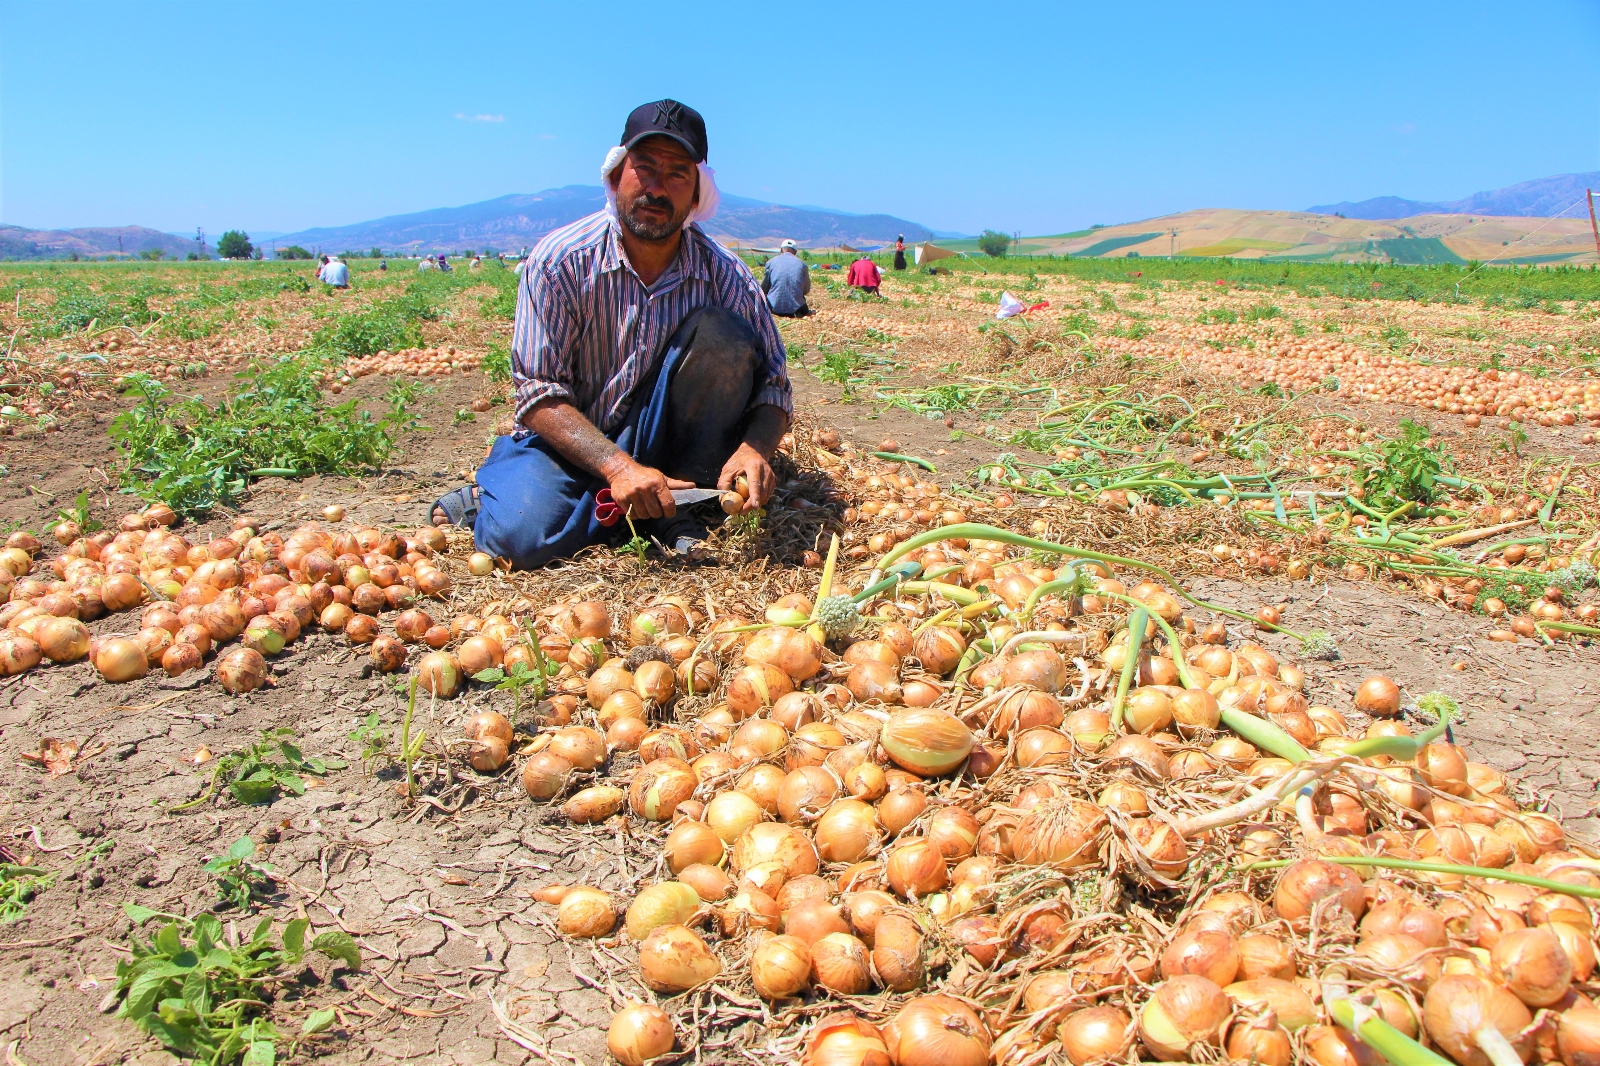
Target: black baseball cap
670, 119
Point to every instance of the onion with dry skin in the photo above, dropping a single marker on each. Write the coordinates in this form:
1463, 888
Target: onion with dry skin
925, 741
1532, 965
1459, 1006
1304, 883
585, 912
845, 1040
663, 903
839, 964
846, 832
1184, 1011
897, 951
640, 1031
239, 670
781, 967
1379, 697
594, 804
1062, 832
1095, 1034
674, 959
937, 1031
916, 869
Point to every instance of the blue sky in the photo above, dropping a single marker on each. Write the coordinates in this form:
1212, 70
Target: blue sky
283, 115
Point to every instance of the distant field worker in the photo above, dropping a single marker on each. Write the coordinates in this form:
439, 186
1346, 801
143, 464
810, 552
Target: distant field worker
864, 275
427, 263
900, 252
336, 273
786, 282
645, 362
444, 264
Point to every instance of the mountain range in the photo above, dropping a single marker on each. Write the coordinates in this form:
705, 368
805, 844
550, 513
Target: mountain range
1561, 196
20, 242
508, 223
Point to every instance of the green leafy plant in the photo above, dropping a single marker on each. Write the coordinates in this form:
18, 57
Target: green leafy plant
258, 771
209, 998
77, 514
374, 739
194, 456
497, 363
1401, 470
1259, 312
239, 880
520, 675
19, 884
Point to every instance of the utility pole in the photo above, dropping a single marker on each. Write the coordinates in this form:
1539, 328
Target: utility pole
1016, 241
1592, 227
119, 244
1172, 252
200, 242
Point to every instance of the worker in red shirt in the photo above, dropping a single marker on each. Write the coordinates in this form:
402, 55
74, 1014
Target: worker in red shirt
864, 275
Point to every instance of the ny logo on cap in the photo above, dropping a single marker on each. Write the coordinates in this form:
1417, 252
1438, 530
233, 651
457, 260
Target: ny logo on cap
667, 112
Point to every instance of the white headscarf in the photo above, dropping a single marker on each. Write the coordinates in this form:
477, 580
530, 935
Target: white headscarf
705, 204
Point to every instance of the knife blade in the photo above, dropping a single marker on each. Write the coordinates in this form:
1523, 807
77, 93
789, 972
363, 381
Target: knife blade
685, 497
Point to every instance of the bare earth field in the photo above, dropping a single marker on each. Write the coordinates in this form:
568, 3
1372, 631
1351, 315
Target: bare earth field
460, 964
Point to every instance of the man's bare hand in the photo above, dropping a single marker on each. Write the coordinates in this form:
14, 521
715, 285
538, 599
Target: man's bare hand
757, 471
641, 491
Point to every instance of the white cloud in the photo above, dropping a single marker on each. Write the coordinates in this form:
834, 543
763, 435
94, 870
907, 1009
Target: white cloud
464, 117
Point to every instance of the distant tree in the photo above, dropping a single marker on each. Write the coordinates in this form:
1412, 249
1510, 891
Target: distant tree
258, 254
193, 257
151, 254
294, 251
375, 253
235, 244
994, 244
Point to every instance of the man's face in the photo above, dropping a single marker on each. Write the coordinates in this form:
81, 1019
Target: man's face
657, 185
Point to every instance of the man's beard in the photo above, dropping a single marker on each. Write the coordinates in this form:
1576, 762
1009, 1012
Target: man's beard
648, 231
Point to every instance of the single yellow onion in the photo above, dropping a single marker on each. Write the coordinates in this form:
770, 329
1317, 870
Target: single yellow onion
639, 1032
937, 1031
664, 903
926, 741
585, 912
674, 959
119, 659
781, 967
1185, 1010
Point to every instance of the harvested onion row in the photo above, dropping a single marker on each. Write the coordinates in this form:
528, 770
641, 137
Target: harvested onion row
832, 811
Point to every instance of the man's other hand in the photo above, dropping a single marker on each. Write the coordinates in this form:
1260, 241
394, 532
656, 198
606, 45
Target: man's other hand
756, 470
642, 491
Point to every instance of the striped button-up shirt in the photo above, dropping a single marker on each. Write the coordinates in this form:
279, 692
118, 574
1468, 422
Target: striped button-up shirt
588, 329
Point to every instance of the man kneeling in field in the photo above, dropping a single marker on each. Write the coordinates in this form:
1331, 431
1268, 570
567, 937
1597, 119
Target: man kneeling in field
645, 361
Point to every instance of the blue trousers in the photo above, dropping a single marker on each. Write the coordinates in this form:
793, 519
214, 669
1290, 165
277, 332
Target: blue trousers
685, 418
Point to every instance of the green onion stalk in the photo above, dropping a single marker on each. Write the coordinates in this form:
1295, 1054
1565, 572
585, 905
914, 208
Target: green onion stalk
1137, 626
1378, 1034
1542, 883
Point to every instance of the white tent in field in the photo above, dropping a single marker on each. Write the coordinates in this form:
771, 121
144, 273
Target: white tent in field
927, 252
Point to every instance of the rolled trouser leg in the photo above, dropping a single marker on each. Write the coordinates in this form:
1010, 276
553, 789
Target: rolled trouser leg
533, 506
712, 382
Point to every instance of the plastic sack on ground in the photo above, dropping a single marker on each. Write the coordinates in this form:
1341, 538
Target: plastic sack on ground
1010, 306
